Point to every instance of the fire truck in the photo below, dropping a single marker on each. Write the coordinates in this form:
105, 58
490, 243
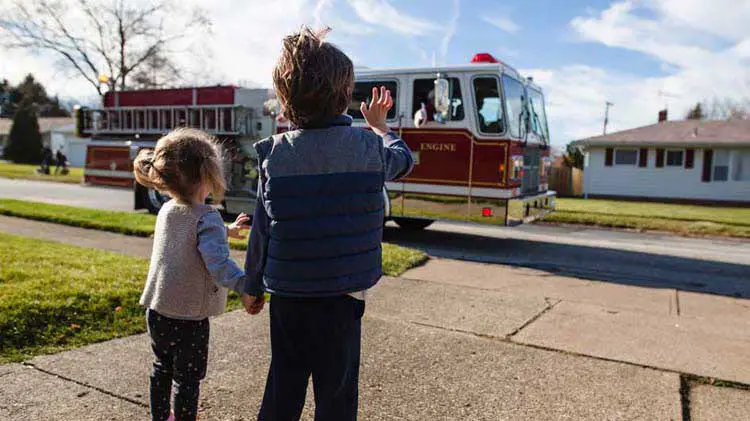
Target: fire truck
132, 120
478, 133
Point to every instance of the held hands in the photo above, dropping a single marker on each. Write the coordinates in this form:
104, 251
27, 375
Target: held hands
253, 305
234, 230
376, 113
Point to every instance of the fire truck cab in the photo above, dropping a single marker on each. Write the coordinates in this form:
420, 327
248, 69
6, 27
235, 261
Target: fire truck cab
478, 134
479, 137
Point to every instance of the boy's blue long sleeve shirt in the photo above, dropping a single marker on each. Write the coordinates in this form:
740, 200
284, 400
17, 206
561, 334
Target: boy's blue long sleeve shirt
398, 162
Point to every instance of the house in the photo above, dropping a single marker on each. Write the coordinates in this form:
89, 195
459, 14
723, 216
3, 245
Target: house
692, 161
74, 147
46, 124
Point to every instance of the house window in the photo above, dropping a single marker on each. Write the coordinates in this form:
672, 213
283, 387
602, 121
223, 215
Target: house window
741, 166
626, 156
721, 165
674, 158
363, 93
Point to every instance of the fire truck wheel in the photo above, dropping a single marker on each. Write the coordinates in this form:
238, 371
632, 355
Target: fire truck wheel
153, 200
413, 223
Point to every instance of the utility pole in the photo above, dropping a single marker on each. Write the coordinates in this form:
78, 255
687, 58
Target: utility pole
606, 115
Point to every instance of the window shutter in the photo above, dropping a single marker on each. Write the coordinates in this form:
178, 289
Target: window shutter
659, 158
708, 158
643, 158
609, 155
689, 158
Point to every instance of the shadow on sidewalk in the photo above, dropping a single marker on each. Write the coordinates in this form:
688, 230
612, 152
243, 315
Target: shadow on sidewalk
591, 263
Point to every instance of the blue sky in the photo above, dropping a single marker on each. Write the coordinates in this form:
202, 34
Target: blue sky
642, 55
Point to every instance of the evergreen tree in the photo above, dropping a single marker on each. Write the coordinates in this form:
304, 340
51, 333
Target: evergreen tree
573, 156
696, 113
25, 141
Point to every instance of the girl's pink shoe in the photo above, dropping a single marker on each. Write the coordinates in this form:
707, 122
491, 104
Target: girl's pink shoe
171, 417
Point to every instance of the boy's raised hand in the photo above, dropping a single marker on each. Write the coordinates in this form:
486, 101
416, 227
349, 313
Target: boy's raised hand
376, 113
234, 230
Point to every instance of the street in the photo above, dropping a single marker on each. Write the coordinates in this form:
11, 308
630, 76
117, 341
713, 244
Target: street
717, 266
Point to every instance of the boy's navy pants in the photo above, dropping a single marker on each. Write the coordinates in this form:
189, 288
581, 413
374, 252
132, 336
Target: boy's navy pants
318, 337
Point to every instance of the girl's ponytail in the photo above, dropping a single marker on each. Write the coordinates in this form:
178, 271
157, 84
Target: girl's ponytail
144, 171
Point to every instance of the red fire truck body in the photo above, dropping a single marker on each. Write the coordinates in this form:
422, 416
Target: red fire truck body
478, 134
132, 120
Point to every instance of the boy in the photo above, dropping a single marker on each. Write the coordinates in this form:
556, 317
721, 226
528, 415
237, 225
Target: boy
315, 243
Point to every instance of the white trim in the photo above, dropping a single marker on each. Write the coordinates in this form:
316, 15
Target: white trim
450, 190
108, 173
121, 143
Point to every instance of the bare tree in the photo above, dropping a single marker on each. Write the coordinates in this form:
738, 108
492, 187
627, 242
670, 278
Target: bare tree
157, 72
726, 109
118, 38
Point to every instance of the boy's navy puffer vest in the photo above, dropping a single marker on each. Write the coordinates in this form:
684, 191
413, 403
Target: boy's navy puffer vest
323, 192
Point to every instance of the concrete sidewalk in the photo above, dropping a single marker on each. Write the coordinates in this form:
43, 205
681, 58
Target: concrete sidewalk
449, 340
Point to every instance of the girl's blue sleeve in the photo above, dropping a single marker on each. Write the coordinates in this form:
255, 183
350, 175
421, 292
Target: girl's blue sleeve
214, 249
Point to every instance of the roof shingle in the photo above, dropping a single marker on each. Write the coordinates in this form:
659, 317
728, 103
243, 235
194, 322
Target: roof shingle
45, 124
734, 132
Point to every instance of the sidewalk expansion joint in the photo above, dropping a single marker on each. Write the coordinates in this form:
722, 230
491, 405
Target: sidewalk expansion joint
550, 305
685, 397
86, 385
692, 378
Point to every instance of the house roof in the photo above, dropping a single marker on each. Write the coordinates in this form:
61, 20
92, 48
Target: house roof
46, 124
735, 132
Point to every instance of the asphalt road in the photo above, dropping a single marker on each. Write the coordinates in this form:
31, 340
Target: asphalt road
715, 266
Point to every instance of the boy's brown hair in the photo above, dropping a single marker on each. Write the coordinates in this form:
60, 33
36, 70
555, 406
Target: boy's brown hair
183, 160
313, 79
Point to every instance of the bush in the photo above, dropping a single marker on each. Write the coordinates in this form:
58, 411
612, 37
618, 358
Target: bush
25, 141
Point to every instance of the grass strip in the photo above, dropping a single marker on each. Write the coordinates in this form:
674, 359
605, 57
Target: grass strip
649, 224
681, 212
28, 172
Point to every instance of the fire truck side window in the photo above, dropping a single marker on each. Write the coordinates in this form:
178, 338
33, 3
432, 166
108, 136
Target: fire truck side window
489, 105
424, 93
514, 104
363, 92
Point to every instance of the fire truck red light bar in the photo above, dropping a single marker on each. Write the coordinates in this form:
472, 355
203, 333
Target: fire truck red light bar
487, 212
484, 58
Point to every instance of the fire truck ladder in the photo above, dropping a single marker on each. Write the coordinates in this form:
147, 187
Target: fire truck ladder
224, 120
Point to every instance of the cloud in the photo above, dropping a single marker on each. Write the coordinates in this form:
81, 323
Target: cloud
503, 23
450, 30
381, 13
699, 61
323, 15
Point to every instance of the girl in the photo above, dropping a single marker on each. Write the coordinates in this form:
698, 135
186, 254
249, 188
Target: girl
190, 266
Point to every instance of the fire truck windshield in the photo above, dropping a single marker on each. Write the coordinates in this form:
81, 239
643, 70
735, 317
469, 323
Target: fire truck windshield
538, 117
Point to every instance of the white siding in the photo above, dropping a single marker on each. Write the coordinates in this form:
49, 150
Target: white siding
665, 182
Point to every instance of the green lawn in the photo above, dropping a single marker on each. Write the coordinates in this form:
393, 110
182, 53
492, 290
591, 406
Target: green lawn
56, 297
129, 223
28, 172
681, 219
